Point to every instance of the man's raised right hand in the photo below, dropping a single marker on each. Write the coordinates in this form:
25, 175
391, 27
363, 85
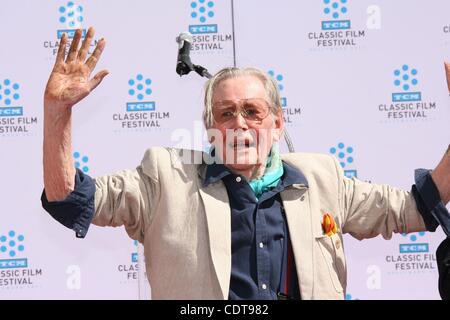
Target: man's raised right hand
69, 81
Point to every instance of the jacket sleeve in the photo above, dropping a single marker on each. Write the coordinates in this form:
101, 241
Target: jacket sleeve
128, 198
77, 209
125, 198
369, 210
429, 202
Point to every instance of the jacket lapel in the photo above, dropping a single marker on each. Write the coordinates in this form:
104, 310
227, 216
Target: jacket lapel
296, 205
218, 216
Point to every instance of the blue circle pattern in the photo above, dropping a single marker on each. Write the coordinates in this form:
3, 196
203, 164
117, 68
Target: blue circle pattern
9, 91
83, 164
203, 11
343, 154
278, 77
414, 236
405, 77
142, 87
11, 243
68, 14
337, 7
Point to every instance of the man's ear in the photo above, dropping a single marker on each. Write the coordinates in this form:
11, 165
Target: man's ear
279, 126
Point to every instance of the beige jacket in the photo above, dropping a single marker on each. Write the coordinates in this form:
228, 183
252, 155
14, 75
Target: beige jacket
186, 228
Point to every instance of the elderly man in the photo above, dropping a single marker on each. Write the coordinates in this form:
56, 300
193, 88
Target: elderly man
244, 222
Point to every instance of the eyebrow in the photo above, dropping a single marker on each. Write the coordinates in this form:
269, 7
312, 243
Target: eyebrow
233, 101
223, 101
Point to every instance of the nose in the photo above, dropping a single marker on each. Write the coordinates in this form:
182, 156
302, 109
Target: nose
240, 122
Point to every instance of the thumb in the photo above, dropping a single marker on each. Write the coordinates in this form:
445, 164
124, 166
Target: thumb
97, 79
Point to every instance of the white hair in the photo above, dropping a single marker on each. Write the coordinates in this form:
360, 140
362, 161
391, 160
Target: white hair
268, 82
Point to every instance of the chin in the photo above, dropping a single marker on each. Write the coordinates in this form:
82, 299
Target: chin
240, 167
242, 158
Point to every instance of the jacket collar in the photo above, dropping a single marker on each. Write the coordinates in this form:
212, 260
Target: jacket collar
291, 176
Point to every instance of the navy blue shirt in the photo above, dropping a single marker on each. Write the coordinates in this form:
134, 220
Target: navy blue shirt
259, 236
257, 272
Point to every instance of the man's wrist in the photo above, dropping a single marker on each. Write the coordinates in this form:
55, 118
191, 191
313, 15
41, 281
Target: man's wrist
441, 177
56, 116
56, 107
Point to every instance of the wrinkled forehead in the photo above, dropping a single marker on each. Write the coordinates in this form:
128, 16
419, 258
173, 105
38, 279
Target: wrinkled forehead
258, 103
238, 88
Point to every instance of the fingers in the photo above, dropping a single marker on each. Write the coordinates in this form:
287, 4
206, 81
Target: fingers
86, 44
74, 46
447, 74
61, 50
93, 59
95, 81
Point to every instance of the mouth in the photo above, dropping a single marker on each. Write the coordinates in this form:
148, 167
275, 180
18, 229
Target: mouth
241, 144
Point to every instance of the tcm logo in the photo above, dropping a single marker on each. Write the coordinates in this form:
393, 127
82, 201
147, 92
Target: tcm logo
279, 79
414, 247
10, 246
71, 17
406, 80
344, 155
201, 11
139, 89
335, 10
9, 95
134, 255
81, 162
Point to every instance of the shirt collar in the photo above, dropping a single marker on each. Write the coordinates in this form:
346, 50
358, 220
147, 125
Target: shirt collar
214, 173
291, 175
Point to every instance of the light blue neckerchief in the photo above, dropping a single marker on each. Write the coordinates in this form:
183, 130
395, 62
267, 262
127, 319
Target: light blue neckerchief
272, 174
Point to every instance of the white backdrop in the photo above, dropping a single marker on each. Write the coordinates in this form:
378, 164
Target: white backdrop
342, 67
